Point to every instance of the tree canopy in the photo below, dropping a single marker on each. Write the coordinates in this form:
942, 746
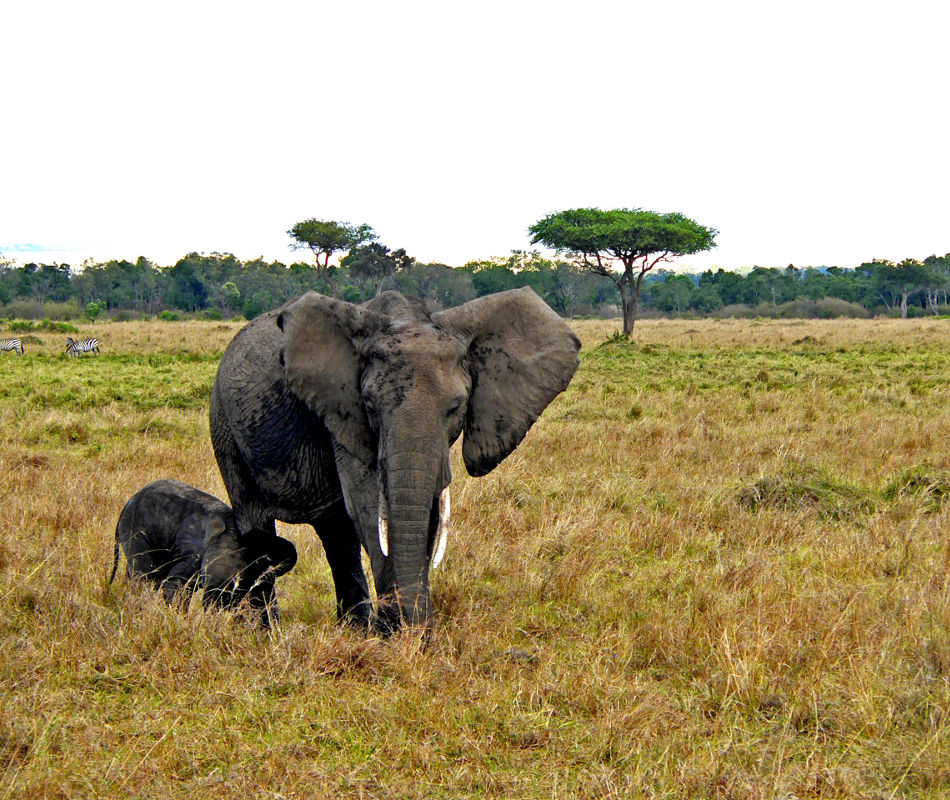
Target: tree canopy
376, 263
324, 238
630, 240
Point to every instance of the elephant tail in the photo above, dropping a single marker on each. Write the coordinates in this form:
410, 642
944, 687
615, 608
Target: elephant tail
115, 558
127, 511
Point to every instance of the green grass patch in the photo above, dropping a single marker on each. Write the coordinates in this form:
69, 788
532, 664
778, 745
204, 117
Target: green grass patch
931, 486
43, 325
803, 487
136, 382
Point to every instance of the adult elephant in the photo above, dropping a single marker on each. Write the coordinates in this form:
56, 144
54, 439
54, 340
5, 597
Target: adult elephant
342, 416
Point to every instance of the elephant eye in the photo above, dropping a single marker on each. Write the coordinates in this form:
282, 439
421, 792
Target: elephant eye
454, 408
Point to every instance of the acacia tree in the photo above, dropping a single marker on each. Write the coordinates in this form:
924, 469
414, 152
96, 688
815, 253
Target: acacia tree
326, 237
629, 239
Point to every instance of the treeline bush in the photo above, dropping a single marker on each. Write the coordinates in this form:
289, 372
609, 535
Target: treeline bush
220, 286
802, 308
34, 309
908, 288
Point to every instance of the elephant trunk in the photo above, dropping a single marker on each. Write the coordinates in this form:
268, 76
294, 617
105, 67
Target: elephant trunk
407, 515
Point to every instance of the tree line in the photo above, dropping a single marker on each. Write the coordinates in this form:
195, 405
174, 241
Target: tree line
908, 288
349, 262
220, 286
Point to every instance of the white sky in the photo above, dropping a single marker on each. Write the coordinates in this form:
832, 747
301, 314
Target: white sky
808, 132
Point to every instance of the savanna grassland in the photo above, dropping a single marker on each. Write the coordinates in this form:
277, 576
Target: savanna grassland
718, 566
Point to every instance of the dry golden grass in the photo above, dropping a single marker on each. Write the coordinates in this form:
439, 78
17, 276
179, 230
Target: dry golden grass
718, 566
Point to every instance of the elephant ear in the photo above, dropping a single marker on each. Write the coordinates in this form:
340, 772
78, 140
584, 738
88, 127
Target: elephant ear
522, 355
322, 367
209, 527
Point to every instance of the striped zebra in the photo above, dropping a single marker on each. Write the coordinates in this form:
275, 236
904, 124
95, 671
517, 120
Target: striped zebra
12, 344
74, 348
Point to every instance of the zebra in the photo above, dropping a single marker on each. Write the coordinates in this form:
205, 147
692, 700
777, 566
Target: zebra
74, 348
12, 344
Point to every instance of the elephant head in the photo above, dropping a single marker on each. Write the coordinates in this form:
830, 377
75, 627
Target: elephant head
396, 386
235, 567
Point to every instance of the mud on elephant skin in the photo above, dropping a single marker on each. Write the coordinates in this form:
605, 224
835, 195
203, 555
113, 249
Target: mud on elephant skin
341, 416
176, 537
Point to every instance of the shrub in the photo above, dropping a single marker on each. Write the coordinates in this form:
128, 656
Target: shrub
834, 307
799, 308
258, 304
94, 309
607, 311
66, 310
212, 313
127, 315
915, 310
168, 316
56, 327
825, 308
25, 309
20, 325
43, 325
740, 310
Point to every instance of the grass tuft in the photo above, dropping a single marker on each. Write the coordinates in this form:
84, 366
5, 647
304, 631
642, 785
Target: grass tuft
932, 486
807, 488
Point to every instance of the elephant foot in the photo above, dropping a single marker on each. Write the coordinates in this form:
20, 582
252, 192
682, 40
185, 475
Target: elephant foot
387, 619
358, 617
269, 615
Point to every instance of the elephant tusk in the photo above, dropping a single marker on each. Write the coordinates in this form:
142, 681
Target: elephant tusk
383, 536
445, 515
383, 525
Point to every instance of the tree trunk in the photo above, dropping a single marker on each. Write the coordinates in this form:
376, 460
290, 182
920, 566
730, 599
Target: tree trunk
628, 303
629, 315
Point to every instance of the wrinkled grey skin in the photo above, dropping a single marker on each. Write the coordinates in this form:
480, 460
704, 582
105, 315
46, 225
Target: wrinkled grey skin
333, 414
176, 536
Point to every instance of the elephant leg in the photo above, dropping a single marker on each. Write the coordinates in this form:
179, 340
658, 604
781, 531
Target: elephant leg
182, 578
361, 492
342, 546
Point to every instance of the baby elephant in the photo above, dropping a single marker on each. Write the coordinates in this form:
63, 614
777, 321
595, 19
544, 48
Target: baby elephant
176, 536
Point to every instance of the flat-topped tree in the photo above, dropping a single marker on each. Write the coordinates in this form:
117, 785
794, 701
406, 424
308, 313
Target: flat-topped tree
326, 237
622, 244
